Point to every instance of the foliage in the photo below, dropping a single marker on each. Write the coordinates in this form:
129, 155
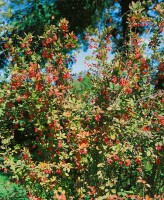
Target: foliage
22, 17
9, 190
82, 86
108, 143
28, 16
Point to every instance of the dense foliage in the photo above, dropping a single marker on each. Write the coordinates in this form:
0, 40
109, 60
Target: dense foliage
100, 144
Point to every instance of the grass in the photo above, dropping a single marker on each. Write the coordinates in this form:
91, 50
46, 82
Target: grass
10, 190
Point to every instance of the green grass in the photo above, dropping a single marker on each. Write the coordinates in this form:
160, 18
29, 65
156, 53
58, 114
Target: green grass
9, 190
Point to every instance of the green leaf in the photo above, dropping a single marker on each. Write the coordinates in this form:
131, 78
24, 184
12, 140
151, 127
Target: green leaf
1, 111
111, 85
113, 137
21, 129
99, 172
113, 191
147, 165
87, 197
117, 86
148, 153
100, 165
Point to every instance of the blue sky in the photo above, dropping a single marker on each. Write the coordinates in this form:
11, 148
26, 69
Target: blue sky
80, 63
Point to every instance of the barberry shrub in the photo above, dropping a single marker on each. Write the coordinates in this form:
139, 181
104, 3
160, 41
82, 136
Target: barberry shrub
105, 145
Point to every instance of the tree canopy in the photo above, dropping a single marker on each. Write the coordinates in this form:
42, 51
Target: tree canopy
23, 17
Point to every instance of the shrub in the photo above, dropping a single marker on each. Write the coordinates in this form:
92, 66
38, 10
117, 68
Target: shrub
61, 147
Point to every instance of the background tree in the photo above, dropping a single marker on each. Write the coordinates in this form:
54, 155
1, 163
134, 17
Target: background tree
25, 15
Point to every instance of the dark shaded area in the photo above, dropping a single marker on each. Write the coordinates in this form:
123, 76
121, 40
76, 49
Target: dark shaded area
124, 12
79, 13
